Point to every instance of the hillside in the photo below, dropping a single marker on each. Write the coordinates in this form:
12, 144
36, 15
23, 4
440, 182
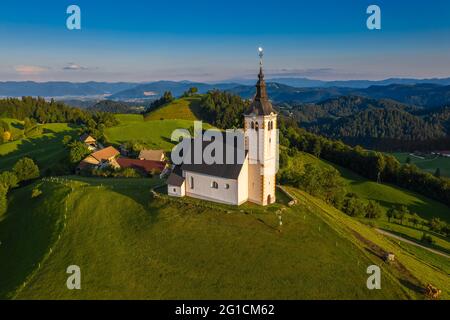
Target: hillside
116, 107
156, 133
46, 149
375, 123
388, 196
181, 109
130, 245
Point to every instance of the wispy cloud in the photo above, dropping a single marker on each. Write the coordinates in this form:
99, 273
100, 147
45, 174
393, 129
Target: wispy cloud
30, 70
71, 66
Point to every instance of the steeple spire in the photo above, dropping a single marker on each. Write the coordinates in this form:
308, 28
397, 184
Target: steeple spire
261, 104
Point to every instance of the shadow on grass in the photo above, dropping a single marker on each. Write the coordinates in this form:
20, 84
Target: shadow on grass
36, 148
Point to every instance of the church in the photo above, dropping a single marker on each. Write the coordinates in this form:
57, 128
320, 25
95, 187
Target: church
252, 179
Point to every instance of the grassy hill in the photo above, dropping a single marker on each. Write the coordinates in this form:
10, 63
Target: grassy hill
387, 196
157, 126
131, 245
46, 148
181, 109
429, 164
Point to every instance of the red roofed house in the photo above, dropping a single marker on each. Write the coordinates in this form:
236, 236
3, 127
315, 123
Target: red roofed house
145, 166
106, 156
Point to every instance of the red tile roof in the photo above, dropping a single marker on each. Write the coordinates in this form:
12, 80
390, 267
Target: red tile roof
105, 154
143, 165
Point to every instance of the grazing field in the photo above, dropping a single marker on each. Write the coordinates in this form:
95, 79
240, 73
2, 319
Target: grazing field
181, 109
429, 164
133, 246
46, 149
156, 133
385, 194
16, 127
415, 267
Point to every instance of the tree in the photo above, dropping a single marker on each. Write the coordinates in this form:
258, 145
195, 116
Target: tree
66, 140
78, 151
353, 206
436, 224
401, 213
6, 136
3, 200
391, 213
8, 180
408, 160
373, 210
437, 173
415, 219
25, 169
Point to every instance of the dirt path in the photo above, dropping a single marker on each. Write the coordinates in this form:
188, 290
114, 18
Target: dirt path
391, 235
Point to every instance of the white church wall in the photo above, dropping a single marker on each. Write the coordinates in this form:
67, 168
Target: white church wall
243, 183
203, 189
176, 191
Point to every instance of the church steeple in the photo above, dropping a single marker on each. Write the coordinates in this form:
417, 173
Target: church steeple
261, 104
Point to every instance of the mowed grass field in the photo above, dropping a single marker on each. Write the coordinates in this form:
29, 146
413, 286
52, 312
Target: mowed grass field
387, 196
430, 164
156, 127
130, 245
45, 149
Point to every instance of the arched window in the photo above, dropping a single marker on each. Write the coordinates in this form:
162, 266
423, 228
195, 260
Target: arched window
256, 126
214, 185
192, 182
227, 186
253, 125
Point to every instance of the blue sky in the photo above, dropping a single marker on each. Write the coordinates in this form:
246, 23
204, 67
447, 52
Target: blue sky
217, 40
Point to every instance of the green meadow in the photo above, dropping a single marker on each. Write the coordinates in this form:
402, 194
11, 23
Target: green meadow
387, 196
429, 164
156, 127
131, 245
181, 109
46, 149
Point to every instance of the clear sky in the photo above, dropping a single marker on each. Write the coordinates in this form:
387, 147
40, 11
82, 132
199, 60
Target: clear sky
209, 40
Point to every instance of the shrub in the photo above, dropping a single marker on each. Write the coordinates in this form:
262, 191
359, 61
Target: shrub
8, 180
25, 169
427, 239
36, 192
373, 210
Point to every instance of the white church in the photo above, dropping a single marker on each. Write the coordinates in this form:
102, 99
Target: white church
252, 179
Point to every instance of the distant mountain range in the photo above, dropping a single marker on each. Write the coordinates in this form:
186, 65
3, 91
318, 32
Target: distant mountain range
156, 89
421, 95
359, 84
61, 88
281, 89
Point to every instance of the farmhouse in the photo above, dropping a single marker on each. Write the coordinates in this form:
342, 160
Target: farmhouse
89, 141
103, 157
250, 180
153, 155
144, 166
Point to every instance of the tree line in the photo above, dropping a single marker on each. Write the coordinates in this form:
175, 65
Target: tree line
370, 164
39, 111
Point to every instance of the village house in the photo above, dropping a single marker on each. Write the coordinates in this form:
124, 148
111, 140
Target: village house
153, 155
149, 167
254, 179
89, 141
101, 158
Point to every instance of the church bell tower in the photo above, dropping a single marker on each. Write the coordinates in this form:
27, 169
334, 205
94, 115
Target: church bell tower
261, 143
